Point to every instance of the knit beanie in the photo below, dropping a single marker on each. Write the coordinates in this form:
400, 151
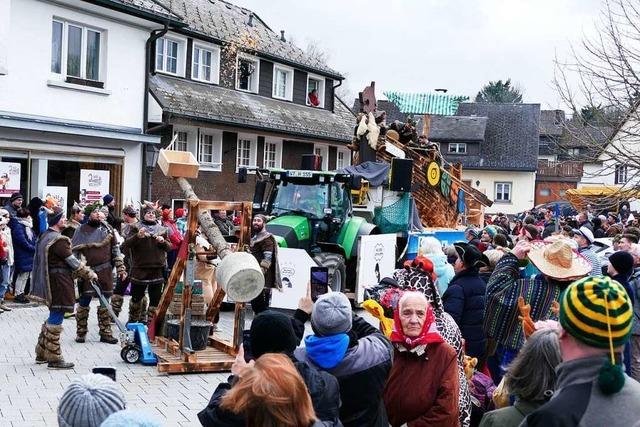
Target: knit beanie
131, 418
331, 314
598, 312
89, 400
473, 232
15, 196
491, 230
108, 198
179, 213
271, 332
55, 216
622, 261
166, 213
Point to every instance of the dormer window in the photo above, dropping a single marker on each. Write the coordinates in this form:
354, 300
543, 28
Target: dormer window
315, 91
206, 63
458, 148
282, 82
170, 55
248, 72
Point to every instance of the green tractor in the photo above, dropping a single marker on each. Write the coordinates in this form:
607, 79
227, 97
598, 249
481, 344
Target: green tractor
312, 210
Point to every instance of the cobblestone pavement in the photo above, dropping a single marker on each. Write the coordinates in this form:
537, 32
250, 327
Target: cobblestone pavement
29, 393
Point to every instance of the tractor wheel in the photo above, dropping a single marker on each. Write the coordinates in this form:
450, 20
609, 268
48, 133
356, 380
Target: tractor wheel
337, 269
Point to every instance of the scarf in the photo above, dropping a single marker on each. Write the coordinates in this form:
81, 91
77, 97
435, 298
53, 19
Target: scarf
28, 226
428, 335
327, 352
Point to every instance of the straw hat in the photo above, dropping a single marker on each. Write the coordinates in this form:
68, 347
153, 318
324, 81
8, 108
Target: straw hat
393, 136
558, 261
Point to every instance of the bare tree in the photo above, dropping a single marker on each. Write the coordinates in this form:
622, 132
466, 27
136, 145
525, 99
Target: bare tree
600, 83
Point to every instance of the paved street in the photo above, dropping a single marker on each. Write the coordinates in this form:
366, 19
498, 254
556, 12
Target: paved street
29, 393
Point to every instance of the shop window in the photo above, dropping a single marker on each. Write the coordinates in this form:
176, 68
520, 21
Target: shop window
315, 91
247, 75
76, 52
272, 153
503, 192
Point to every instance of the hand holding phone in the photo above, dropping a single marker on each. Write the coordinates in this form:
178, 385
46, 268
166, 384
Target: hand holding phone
319, 282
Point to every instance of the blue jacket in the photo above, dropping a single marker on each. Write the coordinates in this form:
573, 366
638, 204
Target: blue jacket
24, 249
464, 300
443, 270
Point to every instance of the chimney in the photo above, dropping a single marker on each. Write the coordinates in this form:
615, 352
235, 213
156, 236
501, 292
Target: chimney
250, 23
442, 90
282, 36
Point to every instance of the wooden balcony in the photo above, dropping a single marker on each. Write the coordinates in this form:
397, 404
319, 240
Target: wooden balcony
569, 170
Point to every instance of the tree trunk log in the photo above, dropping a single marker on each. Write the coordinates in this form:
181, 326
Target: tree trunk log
207, 225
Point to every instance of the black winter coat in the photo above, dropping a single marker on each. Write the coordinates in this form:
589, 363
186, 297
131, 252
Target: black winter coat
464, 300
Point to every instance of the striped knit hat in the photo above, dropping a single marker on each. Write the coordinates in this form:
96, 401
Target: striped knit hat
89, 400
597, 311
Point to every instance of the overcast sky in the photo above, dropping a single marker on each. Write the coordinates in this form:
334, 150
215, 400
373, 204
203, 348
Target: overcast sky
420, 45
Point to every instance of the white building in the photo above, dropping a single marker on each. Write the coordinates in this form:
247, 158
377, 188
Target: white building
72, 94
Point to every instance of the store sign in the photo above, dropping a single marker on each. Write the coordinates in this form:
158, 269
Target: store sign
9, 178
94, 184
57, 195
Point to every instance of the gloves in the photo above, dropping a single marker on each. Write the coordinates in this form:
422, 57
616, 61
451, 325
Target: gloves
85, 273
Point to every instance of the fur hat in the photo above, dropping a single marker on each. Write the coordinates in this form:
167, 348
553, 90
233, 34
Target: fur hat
89, 400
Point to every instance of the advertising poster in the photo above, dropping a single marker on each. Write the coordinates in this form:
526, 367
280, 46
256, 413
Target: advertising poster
9, 178
376, 260
93, 185
57, 194
295, 268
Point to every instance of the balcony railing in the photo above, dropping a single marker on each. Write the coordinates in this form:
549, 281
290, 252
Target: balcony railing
568, 169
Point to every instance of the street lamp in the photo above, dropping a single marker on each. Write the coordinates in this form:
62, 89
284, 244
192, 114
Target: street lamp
151, 159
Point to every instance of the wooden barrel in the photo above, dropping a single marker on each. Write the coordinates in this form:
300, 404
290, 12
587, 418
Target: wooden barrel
240, 276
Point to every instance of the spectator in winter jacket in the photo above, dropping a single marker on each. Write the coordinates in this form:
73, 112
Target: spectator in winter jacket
634, 282
530, 379
181, 220
24, 248
472, 235
14, 203
584, 237
175, 237
598, 231
38, 212
423, 387
465, 298
273, 332
354, 352
6, 257
596, 316
432, 249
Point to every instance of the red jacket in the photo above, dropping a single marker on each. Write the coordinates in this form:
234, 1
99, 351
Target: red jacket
423, 390
174, 234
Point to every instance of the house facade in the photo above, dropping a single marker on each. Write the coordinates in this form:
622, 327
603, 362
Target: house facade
237, 94
502, 162
72, 84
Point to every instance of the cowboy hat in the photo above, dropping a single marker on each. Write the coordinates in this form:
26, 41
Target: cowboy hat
558, 261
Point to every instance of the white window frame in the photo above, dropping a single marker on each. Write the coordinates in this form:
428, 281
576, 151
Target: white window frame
253, 151
573, 151
181, 58
321, 89
215, 62
216, 164
347, 157
501, 192
278, 153
454, 148
288, 90
181, 144
324, 152
621, 174
62, 75
256, 73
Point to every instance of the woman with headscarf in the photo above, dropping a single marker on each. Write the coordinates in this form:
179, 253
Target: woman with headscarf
421, 356
530, 379
464, 300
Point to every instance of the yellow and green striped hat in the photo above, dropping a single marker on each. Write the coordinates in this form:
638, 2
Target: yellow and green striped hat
597, 311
